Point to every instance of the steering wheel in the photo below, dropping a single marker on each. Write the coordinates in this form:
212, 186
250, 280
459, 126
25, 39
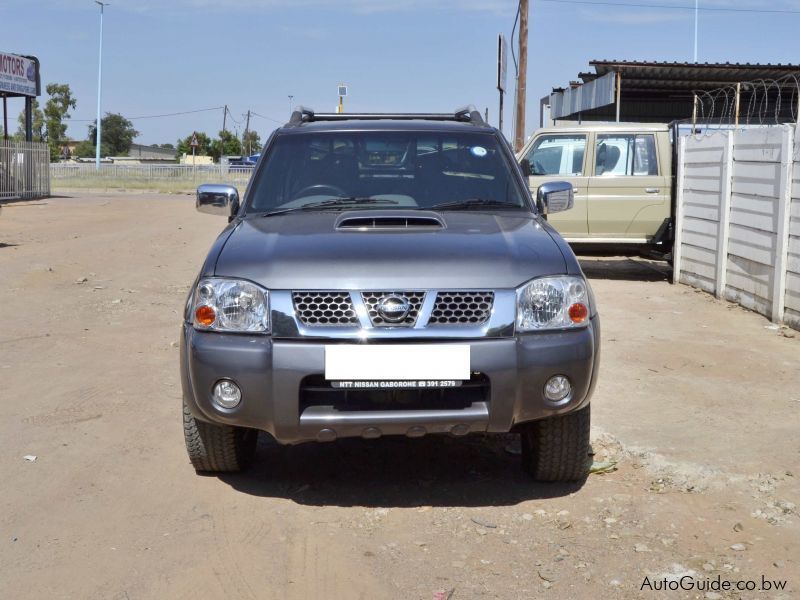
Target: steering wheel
319, 189
539, 168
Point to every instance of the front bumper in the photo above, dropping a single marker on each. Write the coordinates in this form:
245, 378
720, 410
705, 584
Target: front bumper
270, 372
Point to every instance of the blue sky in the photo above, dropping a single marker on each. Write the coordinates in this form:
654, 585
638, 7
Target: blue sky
401, 55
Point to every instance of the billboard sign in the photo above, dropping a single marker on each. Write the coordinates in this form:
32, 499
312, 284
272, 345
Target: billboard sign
502, 62
18, 75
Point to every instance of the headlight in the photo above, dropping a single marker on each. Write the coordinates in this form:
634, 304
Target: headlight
230, 305
552, 303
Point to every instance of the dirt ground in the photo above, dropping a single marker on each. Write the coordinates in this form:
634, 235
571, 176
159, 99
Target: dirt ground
698, 401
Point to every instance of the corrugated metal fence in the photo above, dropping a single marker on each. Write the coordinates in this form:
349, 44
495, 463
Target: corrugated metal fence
738, 219
109, 174
24, 170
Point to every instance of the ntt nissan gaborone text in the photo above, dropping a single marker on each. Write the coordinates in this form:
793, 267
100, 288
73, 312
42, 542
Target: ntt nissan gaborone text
389, 274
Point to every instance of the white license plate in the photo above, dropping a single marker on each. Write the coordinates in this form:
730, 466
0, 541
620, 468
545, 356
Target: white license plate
379, 362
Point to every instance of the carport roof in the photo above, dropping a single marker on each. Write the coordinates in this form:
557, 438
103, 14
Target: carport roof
643, 76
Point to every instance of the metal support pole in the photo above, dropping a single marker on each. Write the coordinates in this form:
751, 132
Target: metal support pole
224, 118
738, 101
500, 118
522, 77
28, 119
99, 126
619, 94
5, 117
694, 116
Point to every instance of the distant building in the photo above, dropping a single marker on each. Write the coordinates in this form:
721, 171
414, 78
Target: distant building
152, 154
188, 159
138, 154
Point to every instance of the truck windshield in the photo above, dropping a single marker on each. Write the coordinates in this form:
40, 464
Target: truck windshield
396, 169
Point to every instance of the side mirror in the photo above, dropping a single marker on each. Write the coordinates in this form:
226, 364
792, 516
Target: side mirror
215, 199
525, 165
555, 196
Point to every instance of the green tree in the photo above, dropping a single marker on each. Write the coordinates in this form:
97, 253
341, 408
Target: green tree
203, 145
251, 142
118, 134
227, 145
168, 146
86, 149
55, 111
38, 124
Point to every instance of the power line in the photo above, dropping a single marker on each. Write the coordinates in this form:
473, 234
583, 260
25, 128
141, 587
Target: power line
677, 7
255, 114
186, 112
230, 114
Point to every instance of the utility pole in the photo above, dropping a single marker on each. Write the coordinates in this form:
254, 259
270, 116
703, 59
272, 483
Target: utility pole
99, 127
224, 118
290, 105
246, 131
522, 76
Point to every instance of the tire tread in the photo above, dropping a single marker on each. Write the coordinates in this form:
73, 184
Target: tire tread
557, 449
217, 448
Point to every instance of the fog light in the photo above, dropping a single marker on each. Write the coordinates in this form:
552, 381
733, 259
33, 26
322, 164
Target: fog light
557, 388
227, 394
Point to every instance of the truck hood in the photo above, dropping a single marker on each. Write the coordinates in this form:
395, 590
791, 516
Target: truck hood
307, 250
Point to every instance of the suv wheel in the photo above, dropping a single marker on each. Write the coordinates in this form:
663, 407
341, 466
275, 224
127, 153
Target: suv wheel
217, 448
557, 449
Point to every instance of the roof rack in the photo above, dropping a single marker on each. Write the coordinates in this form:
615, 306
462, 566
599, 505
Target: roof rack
467, 114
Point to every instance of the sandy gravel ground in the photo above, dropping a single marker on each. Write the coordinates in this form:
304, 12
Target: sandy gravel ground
698, 402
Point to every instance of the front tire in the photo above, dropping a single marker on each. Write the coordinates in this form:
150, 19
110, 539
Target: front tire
558, 448
217, 448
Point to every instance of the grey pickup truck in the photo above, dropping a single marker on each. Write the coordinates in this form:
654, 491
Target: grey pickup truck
389, 274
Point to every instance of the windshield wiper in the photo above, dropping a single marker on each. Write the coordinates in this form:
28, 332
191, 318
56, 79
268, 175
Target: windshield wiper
471, 203
331, 203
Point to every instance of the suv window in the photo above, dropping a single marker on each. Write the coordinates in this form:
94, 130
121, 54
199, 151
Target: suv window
410, 169
626, 154
557, 155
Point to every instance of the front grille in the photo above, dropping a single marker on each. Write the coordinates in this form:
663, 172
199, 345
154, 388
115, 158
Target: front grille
324, 308
315, 390
462, 308
372, 299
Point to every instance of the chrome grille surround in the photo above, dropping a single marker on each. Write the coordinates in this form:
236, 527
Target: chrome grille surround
324, 309
458, 307
372, 299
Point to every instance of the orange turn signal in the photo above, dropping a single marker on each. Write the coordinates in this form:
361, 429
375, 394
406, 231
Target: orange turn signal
578, 313
205, 315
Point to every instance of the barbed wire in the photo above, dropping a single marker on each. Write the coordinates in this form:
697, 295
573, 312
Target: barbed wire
758, 103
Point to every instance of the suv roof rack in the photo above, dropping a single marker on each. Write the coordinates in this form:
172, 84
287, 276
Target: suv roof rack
467, 114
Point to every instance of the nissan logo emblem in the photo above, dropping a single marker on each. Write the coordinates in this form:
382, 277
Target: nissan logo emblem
393, 309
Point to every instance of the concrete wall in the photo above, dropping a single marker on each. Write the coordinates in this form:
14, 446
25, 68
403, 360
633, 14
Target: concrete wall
792, 300
738, 219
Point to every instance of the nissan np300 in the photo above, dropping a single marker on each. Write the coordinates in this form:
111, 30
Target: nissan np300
389, 275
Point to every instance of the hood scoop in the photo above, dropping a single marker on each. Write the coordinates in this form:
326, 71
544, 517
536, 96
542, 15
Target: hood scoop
411, 221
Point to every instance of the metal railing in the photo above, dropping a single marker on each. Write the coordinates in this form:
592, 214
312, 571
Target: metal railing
110, 175
24, 170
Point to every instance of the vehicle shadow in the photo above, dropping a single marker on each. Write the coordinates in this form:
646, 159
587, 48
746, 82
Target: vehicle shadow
394, 472
627, 268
